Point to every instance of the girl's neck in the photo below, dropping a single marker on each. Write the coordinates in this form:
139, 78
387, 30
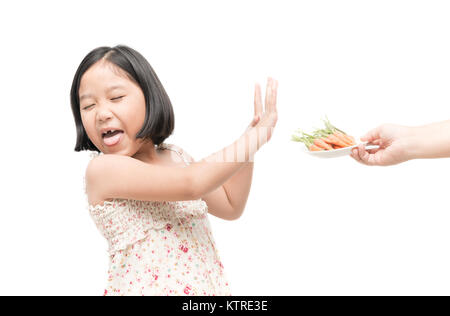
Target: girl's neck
149, 153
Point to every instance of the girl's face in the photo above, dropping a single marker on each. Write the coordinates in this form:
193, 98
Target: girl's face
109, 99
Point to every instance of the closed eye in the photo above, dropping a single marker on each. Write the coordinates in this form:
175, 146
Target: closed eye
86, 107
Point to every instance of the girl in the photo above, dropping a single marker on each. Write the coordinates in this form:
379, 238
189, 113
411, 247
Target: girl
148, 198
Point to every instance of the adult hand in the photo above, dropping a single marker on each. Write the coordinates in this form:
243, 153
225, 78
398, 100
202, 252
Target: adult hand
395, 142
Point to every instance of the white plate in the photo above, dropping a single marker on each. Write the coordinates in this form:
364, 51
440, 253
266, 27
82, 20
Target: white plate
335, 152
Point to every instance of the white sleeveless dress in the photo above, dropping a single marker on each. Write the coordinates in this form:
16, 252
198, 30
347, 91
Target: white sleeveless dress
160, 248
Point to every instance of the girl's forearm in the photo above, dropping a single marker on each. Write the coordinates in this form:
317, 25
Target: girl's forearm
238, 186
211, 172
431, 140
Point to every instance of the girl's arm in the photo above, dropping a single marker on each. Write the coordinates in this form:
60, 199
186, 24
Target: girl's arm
228, 201
238, 189
117, 176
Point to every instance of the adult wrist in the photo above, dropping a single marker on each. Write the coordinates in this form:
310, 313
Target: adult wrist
414, 144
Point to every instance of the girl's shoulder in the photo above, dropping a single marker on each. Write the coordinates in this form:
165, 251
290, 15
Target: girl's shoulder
94, 154
184, 154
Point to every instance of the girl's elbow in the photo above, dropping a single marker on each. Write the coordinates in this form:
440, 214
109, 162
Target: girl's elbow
235, 215
193, 186
233, 218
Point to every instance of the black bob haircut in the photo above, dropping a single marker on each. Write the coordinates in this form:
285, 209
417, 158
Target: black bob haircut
159, 117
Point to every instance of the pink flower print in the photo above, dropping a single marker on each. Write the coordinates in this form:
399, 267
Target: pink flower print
168, 227
187, 289
183, 248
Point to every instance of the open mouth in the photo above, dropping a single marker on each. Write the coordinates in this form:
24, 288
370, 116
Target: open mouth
111, 133
112, 138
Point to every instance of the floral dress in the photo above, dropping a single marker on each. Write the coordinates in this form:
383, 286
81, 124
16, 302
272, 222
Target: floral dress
160, 248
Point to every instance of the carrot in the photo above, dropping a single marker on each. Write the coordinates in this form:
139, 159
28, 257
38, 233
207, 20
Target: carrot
333, 129
350, 139
315, 148
322, 144
328, 138
343, 137
331, 139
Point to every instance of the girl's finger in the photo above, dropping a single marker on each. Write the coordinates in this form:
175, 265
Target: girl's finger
258, 100
273, 104
255, 120
268, 94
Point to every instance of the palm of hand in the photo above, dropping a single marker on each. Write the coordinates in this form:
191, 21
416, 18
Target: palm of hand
265, 121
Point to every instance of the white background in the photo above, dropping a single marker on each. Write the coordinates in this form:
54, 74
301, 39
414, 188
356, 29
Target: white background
311, 226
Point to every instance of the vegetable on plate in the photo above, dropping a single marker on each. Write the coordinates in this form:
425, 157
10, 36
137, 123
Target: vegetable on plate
328, 138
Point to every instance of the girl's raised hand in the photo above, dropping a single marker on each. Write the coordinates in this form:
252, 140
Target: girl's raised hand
264, 121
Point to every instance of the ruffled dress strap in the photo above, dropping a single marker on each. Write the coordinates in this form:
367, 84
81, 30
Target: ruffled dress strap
94, 154
176, 149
